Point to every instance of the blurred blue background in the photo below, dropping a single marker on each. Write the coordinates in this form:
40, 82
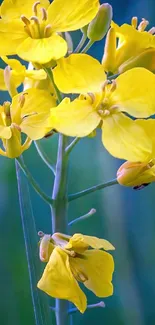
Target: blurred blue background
124, 217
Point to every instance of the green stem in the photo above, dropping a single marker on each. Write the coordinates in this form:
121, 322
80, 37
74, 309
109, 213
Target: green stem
59, 214
113, 76
44, 157
42, 314
87, 47
81, 43
92, 189
34, 184
85, 216
50, 76
72, 145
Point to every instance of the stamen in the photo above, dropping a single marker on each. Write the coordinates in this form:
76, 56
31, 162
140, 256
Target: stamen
47, 31
27, 30
34, 7
44, 14
105, 84
25, 20
134, 22
101, 111
41, 233
92, 96
16, 126
151, 31
143, 24
35, 19
6, 106
22, 99
113, 85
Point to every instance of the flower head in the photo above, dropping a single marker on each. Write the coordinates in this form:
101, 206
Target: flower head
28, 113
105, 105
32, 29
132, 47
69, 261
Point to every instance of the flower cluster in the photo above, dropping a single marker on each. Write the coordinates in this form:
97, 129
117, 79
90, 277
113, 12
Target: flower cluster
70, 92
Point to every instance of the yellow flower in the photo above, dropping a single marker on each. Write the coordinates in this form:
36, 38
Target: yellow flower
15, 73
70, 261
28, 113
31, 29
105, 105
131, 50
140, 173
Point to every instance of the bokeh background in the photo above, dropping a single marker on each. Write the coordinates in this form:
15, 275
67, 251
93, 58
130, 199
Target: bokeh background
124, 216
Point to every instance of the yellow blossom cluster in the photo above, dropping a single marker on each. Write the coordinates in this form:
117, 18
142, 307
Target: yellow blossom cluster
116, 96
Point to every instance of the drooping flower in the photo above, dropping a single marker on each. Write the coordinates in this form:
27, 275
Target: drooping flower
105, 105
135, 47
31, 29
69, 261
28, 113
138, 174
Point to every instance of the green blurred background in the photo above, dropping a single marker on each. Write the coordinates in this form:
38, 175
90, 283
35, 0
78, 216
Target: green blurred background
124, 216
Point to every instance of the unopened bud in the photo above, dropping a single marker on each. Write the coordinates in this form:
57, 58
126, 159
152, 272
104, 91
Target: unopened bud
145, 60
99, 26
134, 174
108, 60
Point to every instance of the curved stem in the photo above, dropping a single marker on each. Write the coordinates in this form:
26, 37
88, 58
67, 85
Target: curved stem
85, 216
34, 184
44, 156
87, 47
92, 189
71, 145
59, 214
81, 43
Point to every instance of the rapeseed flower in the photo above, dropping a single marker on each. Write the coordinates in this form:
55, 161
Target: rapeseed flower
32, 29
69, 261
105, 105
132, 49
28, 114
140, 173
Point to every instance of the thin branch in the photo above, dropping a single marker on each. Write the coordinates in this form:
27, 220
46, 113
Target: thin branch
50, 76
81, 43
87, 47
32, 181
72, 145
95, 188
44, 156
100, 304
85, 216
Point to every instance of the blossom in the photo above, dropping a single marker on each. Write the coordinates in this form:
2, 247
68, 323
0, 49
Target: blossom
69, 261
15, 73
32, 29
132, 49
27, 113
105, 105
140, 173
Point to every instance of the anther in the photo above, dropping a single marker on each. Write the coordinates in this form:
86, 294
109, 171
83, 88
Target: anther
151, 31
92, 96
106, 112
113, 85
25, 20
22, 99
47, 31
44, 14
41, 233
134, 22
35, 19
143, 24
105, 84
101, 111
16, 126
34, 7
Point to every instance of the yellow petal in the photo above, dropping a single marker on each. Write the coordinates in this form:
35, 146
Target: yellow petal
77, 118
74, 14
12, 34
97, 266
12, 9
35, 126
57, 280
5, 132
124, 139
135, 93
79, 243
36, 101
51, 48
13, 145
36, 74
73, 74
149, 127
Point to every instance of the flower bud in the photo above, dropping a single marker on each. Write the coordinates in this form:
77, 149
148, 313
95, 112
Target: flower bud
135, 174
99, 26
108, 60
145, 59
